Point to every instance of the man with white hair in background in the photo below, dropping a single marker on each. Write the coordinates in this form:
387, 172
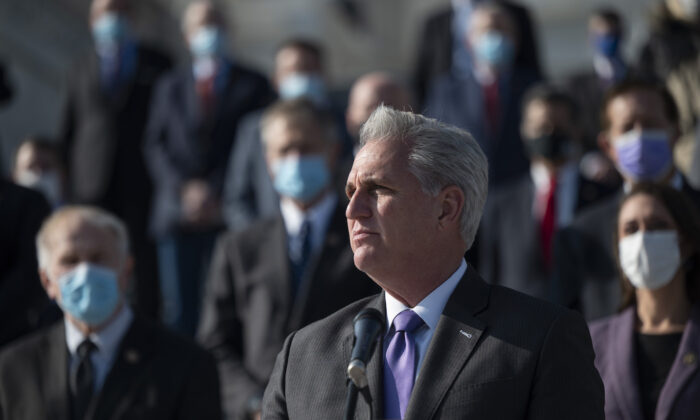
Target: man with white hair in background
455, 347
103, 361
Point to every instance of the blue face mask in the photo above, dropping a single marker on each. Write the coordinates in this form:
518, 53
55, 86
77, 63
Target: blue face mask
109, 30
207, 42
606, 45
306, 85
644, 155
494, 49
89, 293
301, 178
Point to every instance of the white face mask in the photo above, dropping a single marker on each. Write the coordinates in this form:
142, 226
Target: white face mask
650, 259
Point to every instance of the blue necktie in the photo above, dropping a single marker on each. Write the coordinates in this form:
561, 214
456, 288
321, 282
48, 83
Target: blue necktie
299, 253
400, 364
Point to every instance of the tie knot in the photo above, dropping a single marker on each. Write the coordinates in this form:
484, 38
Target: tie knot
407, 321
85, 348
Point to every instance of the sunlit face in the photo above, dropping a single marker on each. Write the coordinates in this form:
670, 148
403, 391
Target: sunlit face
75, 242
293, 60
643, 213
392, 222
284, 139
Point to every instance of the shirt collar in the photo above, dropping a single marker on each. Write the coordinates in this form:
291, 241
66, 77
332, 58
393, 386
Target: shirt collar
107, 339
430, 308
567, 173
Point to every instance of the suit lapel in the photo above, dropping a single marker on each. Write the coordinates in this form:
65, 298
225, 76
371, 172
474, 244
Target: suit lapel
375, 365
319, 267
684, 366
455, 338
121, 384
55, 368
624, 384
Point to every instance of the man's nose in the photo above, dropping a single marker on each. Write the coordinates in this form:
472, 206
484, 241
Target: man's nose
357, 207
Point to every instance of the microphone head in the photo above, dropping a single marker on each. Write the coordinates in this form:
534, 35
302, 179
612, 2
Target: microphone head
370, 314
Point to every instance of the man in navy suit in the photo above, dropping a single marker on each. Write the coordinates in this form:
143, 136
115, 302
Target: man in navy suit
192, 127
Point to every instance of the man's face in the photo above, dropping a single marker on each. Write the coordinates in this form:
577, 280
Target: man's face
391, 220
75, 242
635, 110
285, 139
544, 119
293, 60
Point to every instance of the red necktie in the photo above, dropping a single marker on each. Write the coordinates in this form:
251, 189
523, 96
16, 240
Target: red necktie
548, 223
205, 92
492, 108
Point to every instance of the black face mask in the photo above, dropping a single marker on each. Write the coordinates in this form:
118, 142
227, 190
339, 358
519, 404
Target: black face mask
554, 146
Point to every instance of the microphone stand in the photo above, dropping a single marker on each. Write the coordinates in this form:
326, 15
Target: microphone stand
351, 401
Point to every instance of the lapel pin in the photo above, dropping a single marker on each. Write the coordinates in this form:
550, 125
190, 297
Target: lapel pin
132, 356
689, 358
464, 333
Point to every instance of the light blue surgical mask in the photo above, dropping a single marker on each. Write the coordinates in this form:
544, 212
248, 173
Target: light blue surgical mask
89, 293
644, 155
301, 177
307, 85
208, 41
494, 49
109, 30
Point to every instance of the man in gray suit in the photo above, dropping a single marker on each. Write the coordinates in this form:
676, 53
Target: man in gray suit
455, 346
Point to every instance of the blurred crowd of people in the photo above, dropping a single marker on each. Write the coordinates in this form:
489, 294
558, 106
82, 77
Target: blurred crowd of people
227, 188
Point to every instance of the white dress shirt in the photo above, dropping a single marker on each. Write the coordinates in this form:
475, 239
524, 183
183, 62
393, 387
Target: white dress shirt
566, 194
429, 309
319, 216
106, 340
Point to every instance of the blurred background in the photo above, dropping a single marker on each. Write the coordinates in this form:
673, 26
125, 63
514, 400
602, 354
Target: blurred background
39, 39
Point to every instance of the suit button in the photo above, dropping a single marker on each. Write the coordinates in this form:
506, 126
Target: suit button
689, 358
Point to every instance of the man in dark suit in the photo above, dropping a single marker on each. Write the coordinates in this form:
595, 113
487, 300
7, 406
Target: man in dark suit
442, 47
103, 361
23, 304
639, 130
455, 346
486, 100
109, 94
193, 122
285, 271
541, 202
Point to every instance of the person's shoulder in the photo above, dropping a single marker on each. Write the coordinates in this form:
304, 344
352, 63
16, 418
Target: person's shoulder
22, 195
29, 347
530, 309
154, 56
326, 332
246, 72
168, 344
597, 212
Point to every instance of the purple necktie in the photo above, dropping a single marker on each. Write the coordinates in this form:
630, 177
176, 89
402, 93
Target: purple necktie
400, 364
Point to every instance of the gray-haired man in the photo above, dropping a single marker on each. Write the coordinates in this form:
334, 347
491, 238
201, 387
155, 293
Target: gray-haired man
455, 346
102, 361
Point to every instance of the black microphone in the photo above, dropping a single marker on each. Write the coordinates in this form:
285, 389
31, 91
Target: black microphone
368, 324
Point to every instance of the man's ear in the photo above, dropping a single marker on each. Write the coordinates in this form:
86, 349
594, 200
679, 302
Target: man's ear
451, 200
49, 286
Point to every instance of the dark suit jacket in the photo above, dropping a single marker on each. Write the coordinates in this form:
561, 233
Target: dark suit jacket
495, 354
515, 260
613, 341
156, 375
180, 143
103, 141
458, 100
248, 309
585, 275
434, 55
23, 302
249, 194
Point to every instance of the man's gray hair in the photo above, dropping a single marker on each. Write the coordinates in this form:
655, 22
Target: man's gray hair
439, 155
91, 215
